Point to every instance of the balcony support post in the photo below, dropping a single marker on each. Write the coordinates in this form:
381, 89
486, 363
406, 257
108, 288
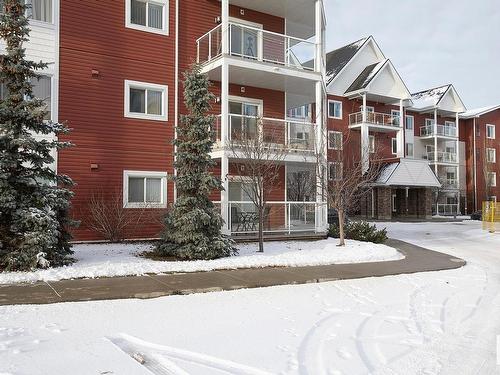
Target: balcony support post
400, 136
319, 35
365, 139
320, 151
224, 195
457, 153
435, 131
225, 26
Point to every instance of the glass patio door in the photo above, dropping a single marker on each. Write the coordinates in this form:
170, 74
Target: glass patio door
243, 120
245, 40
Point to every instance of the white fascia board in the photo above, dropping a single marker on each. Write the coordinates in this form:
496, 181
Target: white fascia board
377, 49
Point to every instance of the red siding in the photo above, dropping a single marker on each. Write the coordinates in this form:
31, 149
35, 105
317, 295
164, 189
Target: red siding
93, 37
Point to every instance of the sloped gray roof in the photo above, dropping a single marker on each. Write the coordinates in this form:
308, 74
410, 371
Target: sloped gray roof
366, 76
430, 97
337, 59
479, 111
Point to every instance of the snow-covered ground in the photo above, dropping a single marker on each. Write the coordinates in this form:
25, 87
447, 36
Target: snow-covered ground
427, 323
121, 259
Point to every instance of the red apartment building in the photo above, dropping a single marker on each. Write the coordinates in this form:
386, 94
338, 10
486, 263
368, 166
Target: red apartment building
115, 75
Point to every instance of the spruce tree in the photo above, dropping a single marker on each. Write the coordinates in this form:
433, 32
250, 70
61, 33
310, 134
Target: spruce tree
33, 200
193, 225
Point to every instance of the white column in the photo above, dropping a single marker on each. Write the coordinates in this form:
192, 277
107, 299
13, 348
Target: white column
457, 150
224, 195
318, 19
365, 139
320, 223
435, 142
225, 26
400, 136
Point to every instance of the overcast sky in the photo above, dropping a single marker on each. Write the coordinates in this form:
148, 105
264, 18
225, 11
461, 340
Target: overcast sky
430, 42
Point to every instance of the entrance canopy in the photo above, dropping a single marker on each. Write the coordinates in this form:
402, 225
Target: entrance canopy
408, 173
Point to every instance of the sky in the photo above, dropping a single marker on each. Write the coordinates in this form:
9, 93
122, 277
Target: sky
430, 42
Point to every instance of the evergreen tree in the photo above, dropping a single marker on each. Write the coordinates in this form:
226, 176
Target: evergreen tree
33, 202
193, 225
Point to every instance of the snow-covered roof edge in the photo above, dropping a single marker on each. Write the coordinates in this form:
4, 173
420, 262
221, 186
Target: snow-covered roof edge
479, 111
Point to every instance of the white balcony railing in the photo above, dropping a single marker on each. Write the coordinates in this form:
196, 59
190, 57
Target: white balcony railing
278, 217
295, 135
449, 183
258, 45
442, 130
446, 209
375, 118
441, 157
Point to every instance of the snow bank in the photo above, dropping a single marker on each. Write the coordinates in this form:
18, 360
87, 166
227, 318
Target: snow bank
108, 260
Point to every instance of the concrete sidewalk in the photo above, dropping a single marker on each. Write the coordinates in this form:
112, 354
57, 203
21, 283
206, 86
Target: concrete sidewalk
417, 259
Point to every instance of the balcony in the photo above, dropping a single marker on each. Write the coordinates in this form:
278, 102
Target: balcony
441, 157
442, 131
279, 217
376, 121
442, 209
254, 44
292, 134
449, 183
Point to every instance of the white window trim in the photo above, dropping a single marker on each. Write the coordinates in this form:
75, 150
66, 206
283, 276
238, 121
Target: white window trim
338, 178
163, 175
143, 85
412, 122
341, 109
412, 149
130, 25
492, 127
494, 179
332, 133
392, 144
371, 149
431, 120
494, 160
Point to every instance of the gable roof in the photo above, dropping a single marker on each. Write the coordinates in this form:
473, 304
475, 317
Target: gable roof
408, 172
366, 76
337, 59
479, 111
430, 97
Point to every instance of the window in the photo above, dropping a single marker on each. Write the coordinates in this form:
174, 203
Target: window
335, 140
429, 121
335, 171
410, 120
491, 155
369, 109
144, 189
147, 15
334, 109
39, 10
299, 112
393, 203
409, 149
492, 179
371, 144
490, 131
42, 89
394, 146
395, 117
146, 101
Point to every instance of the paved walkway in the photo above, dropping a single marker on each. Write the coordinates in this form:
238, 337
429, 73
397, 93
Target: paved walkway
417, 259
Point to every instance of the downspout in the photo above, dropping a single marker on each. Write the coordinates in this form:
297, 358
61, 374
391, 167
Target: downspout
176, 87
475, 165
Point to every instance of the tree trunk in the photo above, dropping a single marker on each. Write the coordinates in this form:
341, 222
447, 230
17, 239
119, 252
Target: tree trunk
341, 227
261, 230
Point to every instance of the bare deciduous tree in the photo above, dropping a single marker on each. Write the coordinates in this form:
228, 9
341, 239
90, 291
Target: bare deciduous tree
111, 219
260, 157
343, 180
